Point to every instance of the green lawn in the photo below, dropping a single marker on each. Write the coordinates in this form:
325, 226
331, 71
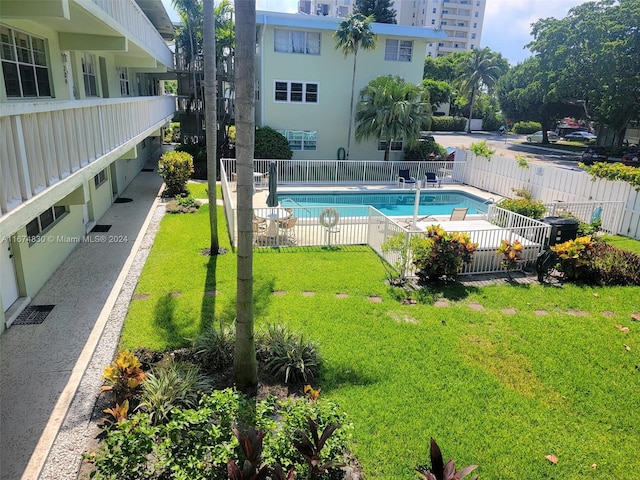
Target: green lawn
496, 389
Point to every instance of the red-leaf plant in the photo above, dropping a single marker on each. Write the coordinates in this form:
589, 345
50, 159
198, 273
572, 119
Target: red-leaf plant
310, 448
440, 471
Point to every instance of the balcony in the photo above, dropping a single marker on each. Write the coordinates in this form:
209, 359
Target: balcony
43, 143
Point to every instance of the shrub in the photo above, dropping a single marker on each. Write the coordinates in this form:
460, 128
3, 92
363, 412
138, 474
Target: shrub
492, 122
288, 356
524, 206
481, 149
124, 376
214, 347
526, 128
448, 124
199, 154
175, 168
439, 255
424, 150
183, 204
512, 254
439, 471
615, 171
176, 385
593, 262
271, 144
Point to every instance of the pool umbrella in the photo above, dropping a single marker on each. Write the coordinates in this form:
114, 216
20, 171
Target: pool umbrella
272, 199
416, 205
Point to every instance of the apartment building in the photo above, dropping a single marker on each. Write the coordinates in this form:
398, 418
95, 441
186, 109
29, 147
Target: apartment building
81, 112
303, 84
462, 20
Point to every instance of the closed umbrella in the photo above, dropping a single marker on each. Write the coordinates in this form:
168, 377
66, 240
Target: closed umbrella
272, 199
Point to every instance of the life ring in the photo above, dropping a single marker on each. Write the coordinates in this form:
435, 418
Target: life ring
329, 217
341, 153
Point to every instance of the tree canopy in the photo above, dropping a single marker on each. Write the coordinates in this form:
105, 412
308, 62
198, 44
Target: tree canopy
380, 10
592, 57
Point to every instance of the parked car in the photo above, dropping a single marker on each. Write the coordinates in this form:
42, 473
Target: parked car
630, 157
580, 136
594, 154
537, 137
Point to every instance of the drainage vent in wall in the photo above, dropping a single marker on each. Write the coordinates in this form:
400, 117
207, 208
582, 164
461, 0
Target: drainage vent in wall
33, 315
100, 228
147, 170
123, 200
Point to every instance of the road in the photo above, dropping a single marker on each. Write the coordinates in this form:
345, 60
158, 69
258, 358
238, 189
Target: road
511, 145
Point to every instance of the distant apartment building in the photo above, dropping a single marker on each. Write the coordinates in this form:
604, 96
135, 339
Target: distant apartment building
461, 20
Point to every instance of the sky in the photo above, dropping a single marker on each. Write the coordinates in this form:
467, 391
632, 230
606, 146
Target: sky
507, 23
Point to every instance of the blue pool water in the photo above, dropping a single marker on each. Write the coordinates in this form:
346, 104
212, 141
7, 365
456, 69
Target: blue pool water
392, 204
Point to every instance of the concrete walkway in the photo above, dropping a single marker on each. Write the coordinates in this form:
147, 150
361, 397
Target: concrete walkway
42, 365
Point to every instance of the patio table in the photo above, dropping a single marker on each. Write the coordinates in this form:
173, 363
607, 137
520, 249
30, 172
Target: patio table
274, 215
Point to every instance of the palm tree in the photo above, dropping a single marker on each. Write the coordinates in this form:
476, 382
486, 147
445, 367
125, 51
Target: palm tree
352, 34
245, 370
210, 99
392, 108
481, 70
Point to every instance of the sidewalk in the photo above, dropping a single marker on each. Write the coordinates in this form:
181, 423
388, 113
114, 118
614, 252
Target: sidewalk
43, 365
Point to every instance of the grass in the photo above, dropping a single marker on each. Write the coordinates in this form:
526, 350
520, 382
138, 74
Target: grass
494, 389
199, 190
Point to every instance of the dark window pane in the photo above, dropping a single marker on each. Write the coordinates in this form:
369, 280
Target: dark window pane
32, 228
312, 93
59, 211
46, 219
28, 78
296, 92
11, 81
44, 89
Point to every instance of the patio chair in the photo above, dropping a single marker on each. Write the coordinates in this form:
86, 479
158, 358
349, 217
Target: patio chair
287, 226
458, 214
405, 178
431, 178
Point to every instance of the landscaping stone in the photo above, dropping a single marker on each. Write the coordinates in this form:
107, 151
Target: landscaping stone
140, 296
441, 303
509, 311
541, 313
608, 314
375, 299
279, 293
342, 295
210, 293
476, 306
308, 294
635, 316
175, 294
578, 313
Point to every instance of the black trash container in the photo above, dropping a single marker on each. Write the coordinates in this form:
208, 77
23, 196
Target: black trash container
562, 229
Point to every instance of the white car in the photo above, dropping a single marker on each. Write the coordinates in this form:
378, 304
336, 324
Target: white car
580, 136
537, 137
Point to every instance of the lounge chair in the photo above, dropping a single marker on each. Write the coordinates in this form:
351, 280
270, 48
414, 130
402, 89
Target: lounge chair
405, 178
431, 178
458, 214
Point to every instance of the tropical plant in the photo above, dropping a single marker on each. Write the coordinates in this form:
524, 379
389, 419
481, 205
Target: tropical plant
524, 206
440, 471
352, 34
425, 150
311, 448
183, 204
439, 255
512, 254
615, 171
482, 70
481, 149
391, 108
271, 144
214, 347
119, 412
288, 356
251, 448
175, 168
123, 376
166, 388
245, 367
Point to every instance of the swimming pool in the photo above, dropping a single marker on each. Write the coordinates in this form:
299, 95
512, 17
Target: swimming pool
392, 204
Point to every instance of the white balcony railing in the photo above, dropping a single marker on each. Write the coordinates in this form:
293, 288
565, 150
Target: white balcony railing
43, 143
128, 14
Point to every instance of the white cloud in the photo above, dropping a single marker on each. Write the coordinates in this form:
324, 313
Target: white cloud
507, 23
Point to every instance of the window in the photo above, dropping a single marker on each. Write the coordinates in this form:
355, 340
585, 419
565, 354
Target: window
44, 222
296, 41
300, 139
435, 9
24, 64
476, 15
398, 50
100, 178
475, 25
125, 86
433, 21
473, 35
396, 145
89, 75
296, 92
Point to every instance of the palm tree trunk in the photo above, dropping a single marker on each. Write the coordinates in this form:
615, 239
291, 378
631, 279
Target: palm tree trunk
387, 149
473, 99
193, 76
353, 87
245, 370
210, 100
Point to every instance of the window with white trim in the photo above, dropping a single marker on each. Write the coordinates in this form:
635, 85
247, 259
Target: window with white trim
24, 64
44, 222
125, 86
398, 50
89, 74
100, 178
396, 144
296, 41
301, 140
295, 92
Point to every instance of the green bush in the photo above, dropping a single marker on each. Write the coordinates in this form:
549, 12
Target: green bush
183, 204
493, 122
175, 169
526, 128
289, 357
424, 150
524, 206
169, 387
199, 154
271, 144
214, 348
439, 255
448, 124
481, 149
